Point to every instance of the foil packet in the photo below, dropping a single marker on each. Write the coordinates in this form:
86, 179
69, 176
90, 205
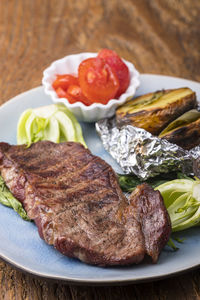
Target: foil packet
139, 152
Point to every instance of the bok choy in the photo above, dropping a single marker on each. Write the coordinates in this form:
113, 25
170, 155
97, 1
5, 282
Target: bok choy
53, 123
182, 200
6, 198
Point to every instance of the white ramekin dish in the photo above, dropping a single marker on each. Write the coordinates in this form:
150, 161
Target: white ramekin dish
96, 111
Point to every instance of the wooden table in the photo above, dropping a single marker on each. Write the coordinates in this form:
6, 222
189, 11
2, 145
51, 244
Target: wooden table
159, 36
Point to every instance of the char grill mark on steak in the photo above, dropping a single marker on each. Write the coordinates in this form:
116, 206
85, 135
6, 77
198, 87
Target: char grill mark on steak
76, 202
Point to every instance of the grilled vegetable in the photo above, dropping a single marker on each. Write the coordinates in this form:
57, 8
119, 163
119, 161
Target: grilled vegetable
155, 111
184, 131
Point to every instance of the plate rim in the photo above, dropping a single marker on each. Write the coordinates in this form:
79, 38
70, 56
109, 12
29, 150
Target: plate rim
92, 281
96, 282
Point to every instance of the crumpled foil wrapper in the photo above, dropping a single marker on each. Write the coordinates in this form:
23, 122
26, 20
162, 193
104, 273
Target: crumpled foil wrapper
139, 152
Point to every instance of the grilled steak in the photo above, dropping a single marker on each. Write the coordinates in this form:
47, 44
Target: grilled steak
76, 202
150, 212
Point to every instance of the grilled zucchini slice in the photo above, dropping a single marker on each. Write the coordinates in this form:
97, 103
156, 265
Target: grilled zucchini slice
154, 111
184, 131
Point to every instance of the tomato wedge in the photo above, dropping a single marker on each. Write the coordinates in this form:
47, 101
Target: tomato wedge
60, 92
76, 92
120, 68
64, 81
63, 94
98, 81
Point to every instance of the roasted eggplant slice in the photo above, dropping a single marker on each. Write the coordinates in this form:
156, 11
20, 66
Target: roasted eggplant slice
155, 111
184, 131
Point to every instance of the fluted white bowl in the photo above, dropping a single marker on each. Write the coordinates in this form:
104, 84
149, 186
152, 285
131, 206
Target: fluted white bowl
96, 111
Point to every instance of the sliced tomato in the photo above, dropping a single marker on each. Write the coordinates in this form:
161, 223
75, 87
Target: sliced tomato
63, 94
60, 92
120, 68
70, 98
64, 81
76, 92
98, 81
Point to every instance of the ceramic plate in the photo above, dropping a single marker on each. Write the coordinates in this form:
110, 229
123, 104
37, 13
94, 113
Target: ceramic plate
20, 243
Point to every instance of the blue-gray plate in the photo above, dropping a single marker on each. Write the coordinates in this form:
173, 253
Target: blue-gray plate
21, 245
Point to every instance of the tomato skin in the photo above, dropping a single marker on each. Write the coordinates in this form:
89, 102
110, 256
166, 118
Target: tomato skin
64, 81
98, 81
76, 92
120, 68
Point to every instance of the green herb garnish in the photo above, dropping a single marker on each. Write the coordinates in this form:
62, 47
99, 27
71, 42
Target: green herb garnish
129, 182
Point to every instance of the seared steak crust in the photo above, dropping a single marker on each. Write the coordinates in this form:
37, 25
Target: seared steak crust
76, 202
150, 212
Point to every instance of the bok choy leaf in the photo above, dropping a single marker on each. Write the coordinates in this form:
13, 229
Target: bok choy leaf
6, 198
182, 200
52, 122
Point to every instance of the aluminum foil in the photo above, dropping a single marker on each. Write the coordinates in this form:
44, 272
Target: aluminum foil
139, 152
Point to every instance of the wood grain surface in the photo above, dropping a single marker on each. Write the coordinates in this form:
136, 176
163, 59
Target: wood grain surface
159, 36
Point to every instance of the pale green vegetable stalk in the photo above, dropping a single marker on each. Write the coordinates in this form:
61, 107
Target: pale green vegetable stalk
182, 200
53, 123
6, 198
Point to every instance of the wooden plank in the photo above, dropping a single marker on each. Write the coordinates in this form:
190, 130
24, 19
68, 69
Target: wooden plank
159, 36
